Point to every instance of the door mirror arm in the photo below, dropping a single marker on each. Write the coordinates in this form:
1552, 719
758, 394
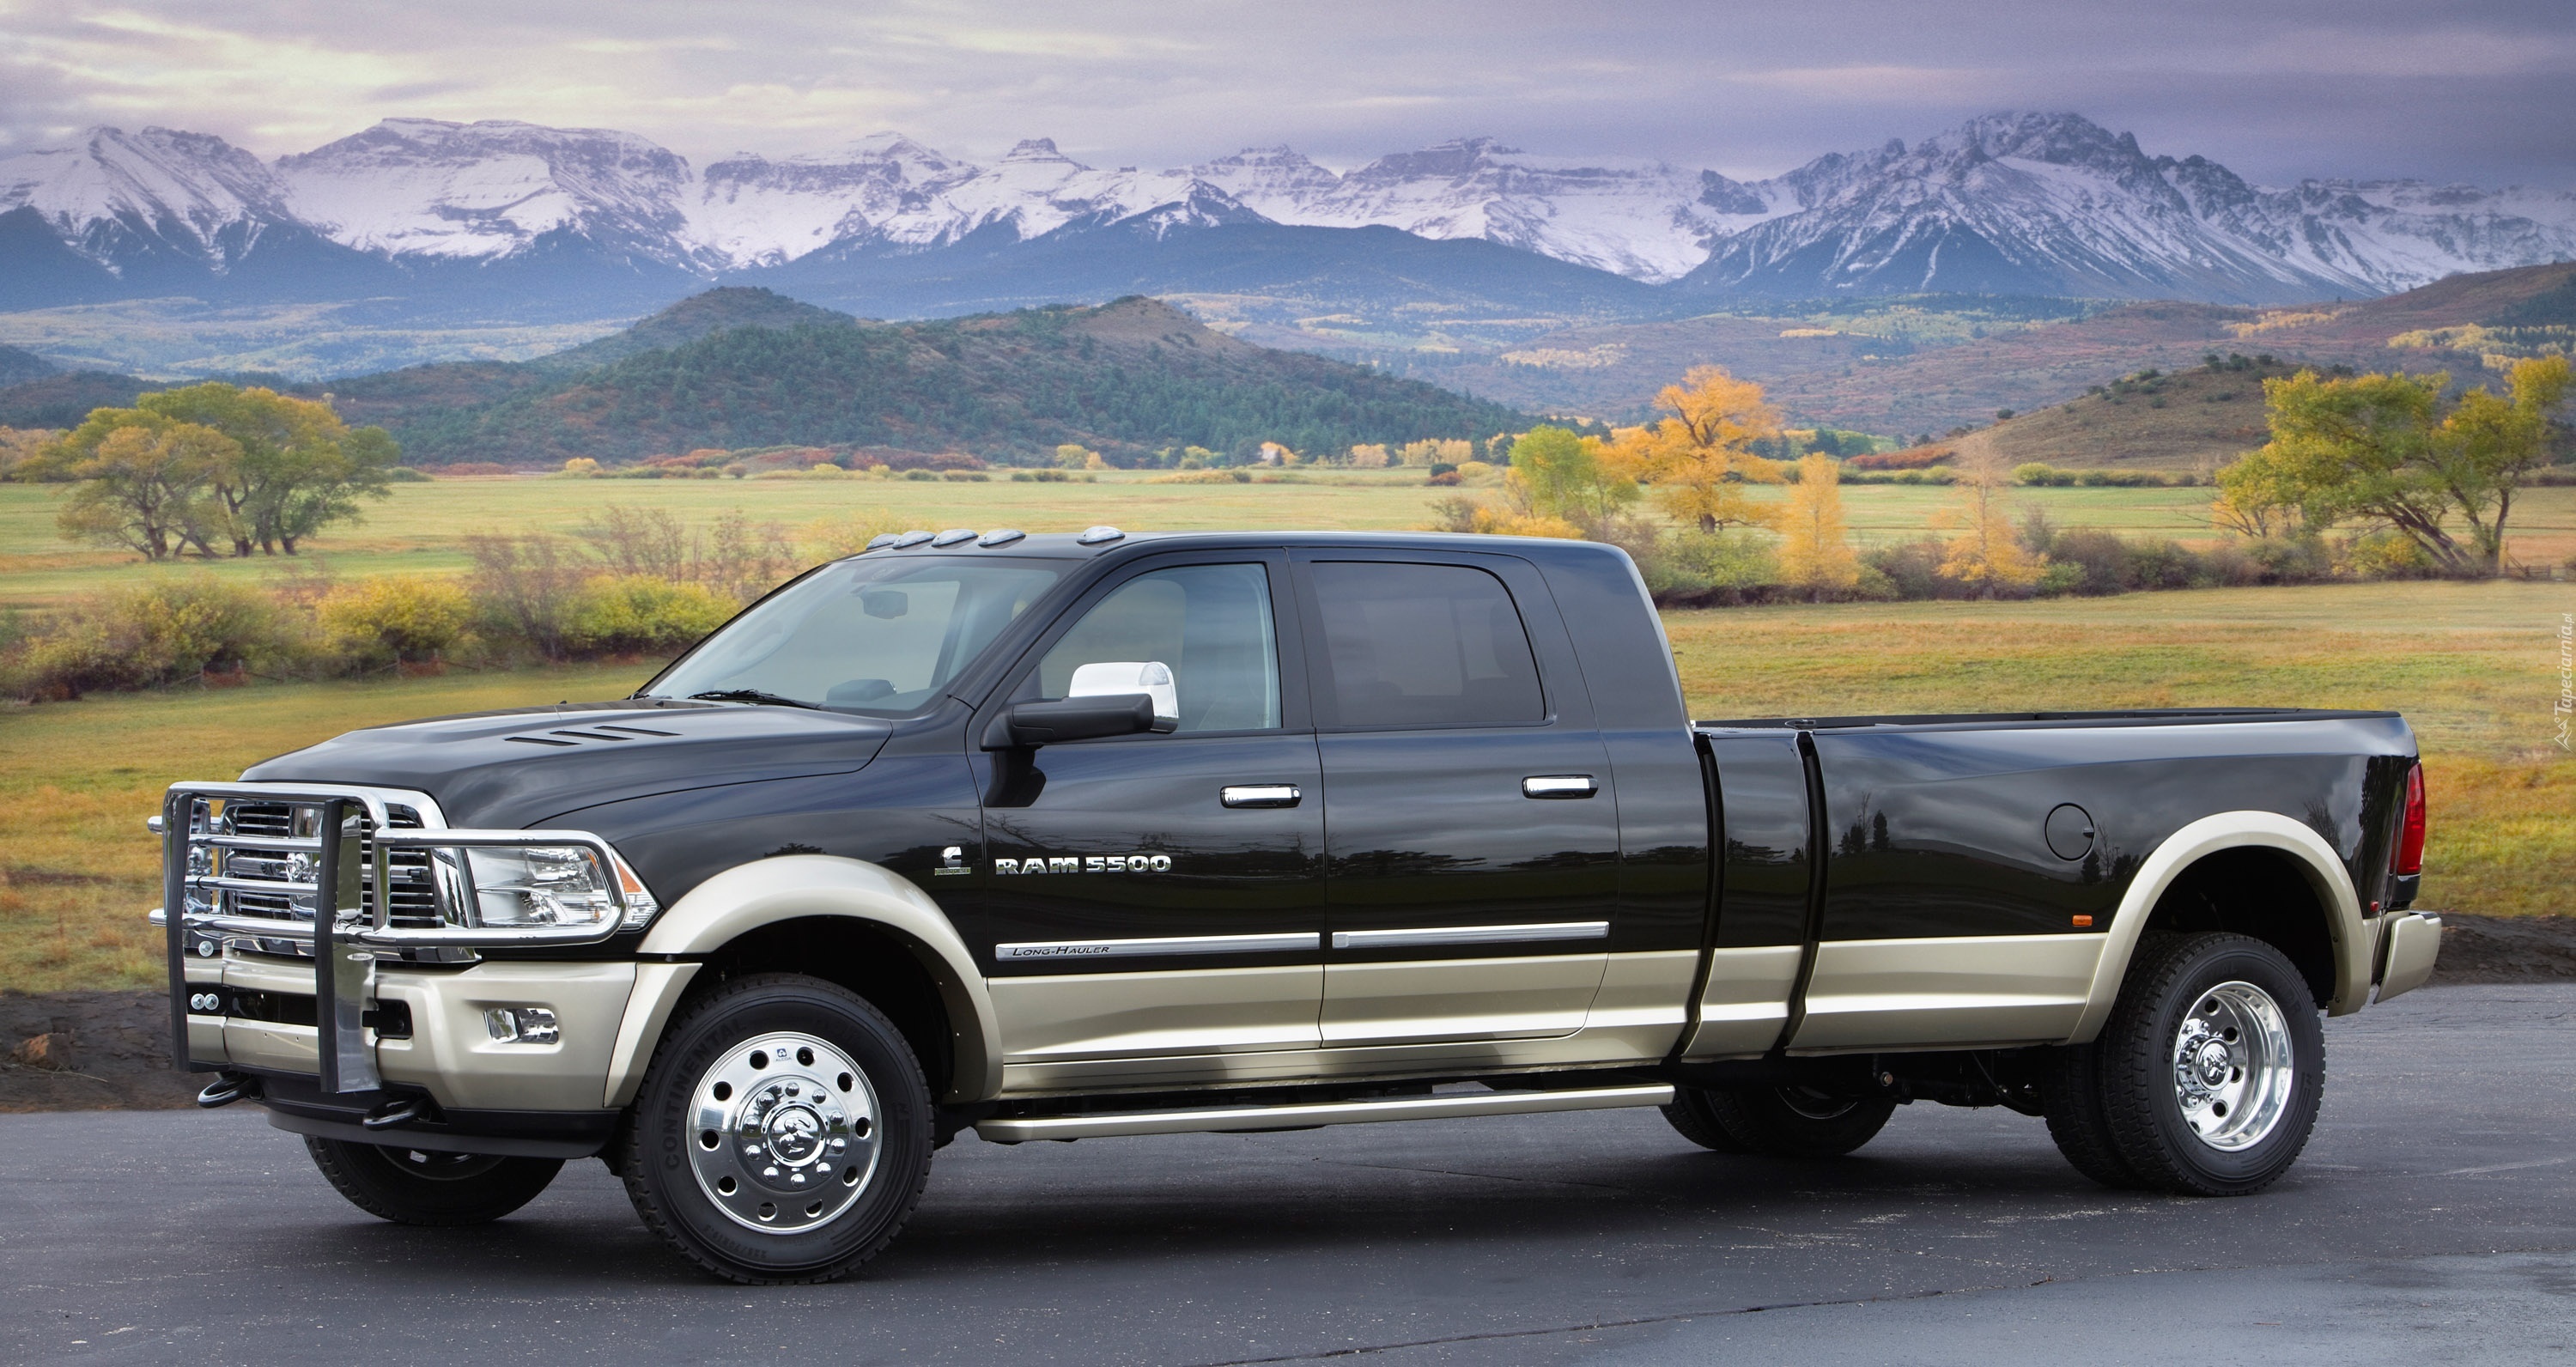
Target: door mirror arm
1028, 725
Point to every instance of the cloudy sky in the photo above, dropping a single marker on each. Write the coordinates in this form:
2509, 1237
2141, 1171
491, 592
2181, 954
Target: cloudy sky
2474, 90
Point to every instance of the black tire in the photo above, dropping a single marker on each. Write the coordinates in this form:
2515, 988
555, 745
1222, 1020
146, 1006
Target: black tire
887, 1117
2070, 1091
424, 1187
1691, 1115
2198, 983
1785, 1122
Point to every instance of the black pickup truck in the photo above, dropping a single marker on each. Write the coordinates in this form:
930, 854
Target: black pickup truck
1061, 837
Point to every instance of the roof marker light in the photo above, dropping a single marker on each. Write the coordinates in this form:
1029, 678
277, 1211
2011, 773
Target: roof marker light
909, 539
1099, 536
953, 536
878, 542
1001, 536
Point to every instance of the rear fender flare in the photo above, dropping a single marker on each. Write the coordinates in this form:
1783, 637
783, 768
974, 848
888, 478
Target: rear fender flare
2351, 940
790, 887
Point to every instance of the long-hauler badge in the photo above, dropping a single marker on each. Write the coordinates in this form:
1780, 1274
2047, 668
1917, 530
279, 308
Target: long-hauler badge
1090, 863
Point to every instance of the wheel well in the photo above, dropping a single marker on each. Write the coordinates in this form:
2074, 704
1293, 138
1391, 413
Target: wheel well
870, 960
2260, 892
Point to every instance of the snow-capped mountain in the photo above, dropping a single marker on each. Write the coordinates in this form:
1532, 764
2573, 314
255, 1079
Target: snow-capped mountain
115, 196
2009, 203
1644, 220
426, 188
2057, 204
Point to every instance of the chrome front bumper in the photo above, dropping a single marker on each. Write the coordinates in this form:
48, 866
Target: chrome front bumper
325, 1020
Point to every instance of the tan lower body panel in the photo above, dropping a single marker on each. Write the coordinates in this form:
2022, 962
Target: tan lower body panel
1635, 1017
1428, 1001
1746, 1002
2411, 944
451, 1053
1154, 1014
1974, 990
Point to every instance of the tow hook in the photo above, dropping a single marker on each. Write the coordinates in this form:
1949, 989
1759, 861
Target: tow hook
393, 1113
226, 1089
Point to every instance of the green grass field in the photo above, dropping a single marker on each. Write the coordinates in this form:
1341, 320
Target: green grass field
420, 528
2474, 666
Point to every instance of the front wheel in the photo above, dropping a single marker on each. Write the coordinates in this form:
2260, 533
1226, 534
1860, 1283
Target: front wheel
1788, 1122
2212, 1066
783, 1133
425, 1187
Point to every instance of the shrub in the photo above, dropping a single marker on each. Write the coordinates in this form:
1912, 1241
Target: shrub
405, 474
2162, 565
156, 633
2100, 560
965, 476
843, 534
391, 618
2387, 554
581, 465
620, 614
925, 476
1912, 568
521, 587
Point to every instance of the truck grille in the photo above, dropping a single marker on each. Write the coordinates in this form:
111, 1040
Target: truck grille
228, 869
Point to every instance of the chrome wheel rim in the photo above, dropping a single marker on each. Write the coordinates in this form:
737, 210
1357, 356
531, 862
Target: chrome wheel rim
2232, 1068
783, 1133
1814, 1105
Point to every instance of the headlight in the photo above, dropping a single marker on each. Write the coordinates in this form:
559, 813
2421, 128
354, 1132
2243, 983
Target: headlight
539, 885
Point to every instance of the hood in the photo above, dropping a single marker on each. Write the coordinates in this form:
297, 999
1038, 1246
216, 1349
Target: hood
524, 767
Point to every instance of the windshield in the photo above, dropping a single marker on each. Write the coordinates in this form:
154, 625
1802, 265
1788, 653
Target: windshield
863, 635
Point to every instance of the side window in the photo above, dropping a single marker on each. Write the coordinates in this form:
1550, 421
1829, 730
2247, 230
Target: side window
1209, 623
1423, 645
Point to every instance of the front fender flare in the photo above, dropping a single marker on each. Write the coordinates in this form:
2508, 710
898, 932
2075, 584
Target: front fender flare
2351, 941
791, 887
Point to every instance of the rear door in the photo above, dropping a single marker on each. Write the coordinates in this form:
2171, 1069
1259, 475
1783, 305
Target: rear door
1472, 834
1152, 903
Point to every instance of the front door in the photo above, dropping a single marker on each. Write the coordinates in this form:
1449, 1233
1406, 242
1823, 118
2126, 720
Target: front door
1152, 903
1471, 831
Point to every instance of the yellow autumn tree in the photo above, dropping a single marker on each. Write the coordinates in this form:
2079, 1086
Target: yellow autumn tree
1815, 551
1985, 555
1700, 457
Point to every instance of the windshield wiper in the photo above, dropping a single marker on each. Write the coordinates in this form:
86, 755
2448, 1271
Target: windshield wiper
750, 695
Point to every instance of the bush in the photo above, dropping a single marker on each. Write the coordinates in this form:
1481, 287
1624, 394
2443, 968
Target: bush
389, 619
965, 476
2100, 560
2163, 565
1061, 477
1912, 568
159, 633
2386, 554
581, 465
622, 614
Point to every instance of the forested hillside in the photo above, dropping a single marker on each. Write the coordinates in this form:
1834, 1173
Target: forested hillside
1126, 377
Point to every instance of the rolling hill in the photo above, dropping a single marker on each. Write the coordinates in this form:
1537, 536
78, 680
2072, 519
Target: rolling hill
1126, 377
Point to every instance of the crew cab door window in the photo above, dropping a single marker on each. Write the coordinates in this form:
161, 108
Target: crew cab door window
1461, 905
1210, 624
1422, 645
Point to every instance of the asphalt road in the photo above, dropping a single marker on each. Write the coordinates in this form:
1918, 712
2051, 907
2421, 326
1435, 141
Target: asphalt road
2433, 1220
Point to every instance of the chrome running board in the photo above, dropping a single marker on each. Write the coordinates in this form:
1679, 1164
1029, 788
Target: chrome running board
1018, 1128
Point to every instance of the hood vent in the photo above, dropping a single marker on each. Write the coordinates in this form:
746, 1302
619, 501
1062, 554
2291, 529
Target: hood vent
594, 733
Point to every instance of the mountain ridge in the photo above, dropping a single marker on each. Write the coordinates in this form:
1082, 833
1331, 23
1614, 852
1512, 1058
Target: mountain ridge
512, 215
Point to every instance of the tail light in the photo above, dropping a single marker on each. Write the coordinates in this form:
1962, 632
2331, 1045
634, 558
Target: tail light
2410, 836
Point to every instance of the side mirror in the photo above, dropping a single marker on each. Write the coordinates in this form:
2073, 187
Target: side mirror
1031, 724
1152, 678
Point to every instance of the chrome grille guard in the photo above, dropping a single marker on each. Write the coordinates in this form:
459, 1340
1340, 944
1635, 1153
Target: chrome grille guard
351, 891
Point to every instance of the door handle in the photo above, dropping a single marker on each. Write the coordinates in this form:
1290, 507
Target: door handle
1557, 785
1259, 795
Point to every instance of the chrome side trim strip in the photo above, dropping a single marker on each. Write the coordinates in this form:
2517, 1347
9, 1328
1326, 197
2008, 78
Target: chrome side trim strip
1471, 935
1176, 944
1014, 1130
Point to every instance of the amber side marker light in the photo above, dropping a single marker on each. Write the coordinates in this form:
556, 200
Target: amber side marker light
2081, 922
